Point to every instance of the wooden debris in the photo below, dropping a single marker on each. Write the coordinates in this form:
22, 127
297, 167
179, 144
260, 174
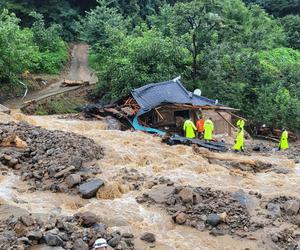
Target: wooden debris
71, 83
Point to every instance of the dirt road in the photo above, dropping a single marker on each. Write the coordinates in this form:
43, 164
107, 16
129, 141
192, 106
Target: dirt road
79, 70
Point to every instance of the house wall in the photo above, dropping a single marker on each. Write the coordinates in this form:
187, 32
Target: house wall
221, 126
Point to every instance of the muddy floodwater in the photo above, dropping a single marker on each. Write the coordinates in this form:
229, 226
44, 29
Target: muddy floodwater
146, 153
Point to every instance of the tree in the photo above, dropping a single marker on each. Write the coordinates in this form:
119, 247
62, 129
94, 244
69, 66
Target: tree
138, 60
291, 24
16, 47
102, 25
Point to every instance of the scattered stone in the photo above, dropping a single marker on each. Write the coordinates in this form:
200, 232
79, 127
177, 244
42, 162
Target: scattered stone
217, 232
114, 241
72, 180
34, 235
181, 218
89, 189
79, 244
159, 194
186, 194
53, 240
27, 220
291, 207
148, 237
88, 219
274, 209
65, 171
213, 220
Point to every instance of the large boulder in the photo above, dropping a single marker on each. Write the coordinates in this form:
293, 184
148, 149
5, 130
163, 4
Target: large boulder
161, 193
90, 188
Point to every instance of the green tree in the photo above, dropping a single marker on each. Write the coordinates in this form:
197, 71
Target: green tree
291, 24
102, 25
16, 47
139, 60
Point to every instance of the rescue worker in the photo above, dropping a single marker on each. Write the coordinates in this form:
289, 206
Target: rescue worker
284, 143
189, 129
240, 123
200, 127
100, 244
208, 129
239, 142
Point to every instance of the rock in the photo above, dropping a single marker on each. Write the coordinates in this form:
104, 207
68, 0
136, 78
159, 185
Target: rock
160, 193
274, 209
79, 244
181, 218
278, 170
127, 235
217, 232
20, 229
223, 217
148, 237
64, 172
114, 241
242, 197
34, 235
27, 220
186, 195
213, 219
291, 207
76, 161
89, 189
88, 219
53, 240
72, 180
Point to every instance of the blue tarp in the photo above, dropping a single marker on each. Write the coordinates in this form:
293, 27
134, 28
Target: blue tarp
155, 94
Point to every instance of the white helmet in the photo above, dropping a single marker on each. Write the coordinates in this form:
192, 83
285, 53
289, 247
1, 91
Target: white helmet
100, 243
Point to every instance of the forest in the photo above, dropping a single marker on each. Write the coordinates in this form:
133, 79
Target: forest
243, 53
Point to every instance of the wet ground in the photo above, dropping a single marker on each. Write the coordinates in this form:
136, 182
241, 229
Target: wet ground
151, 158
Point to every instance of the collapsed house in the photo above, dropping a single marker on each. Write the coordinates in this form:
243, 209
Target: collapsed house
163, 107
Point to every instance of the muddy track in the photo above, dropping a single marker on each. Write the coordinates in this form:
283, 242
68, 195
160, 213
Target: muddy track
79, 70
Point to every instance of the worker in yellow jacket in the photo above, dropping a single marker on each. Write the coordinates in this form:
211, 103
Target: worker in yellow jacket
239, 142
189, 128
208, 129
284, 143
240, 123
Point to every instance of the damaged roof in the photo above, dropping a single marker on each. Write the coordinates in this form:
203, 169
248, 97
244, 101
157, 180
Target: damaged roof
155, 94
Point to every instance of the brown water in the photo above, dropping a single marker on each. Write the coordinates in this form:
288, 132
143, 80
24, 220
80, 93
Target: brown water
146, 154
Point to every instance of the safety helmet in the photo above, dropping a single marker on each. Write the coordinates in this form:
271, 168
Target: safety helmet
100, 243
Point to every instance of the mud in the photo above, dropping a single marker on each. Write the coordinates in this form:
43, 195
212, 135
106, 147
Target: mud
135, 163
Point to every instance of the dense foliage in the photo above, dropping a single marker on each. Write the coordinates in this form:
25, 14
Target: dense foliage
235, 53
244, 53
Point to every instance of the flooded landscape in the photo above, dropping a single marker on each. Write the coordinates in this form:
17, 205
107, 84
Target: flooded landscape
136, 165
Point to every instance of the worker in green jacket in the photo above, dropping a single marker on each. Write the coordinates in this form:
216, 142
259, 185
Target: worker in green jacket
239, 142
208, 129
284, 143
189, 128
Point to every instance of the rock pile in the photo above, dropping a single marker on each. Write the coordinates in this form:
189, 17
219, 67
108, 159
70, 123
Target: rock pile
286, 207
78, 232
52, 160
202, 208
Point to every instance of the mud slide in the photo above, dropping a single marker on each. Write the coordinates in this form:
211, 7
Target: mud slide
79, 70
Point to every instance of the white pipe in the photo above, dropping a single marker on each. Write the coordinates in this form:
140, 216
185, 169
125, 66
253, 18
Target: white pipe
26, 89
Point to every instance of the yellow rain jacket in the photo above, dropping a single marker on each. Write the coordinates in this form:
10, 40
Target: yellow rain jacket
189, 129
208, 129
239, 143
240, 124
284, 143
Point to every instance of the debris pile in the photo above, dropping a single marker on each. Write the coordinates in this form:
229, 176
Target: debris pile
67, 232
286, 207
202, 208
52, 160
286, 239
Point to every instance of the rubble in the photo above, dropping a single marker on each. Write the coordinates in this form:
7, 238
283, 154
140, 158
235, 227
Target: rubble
51, 160
68, 232
202, 208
